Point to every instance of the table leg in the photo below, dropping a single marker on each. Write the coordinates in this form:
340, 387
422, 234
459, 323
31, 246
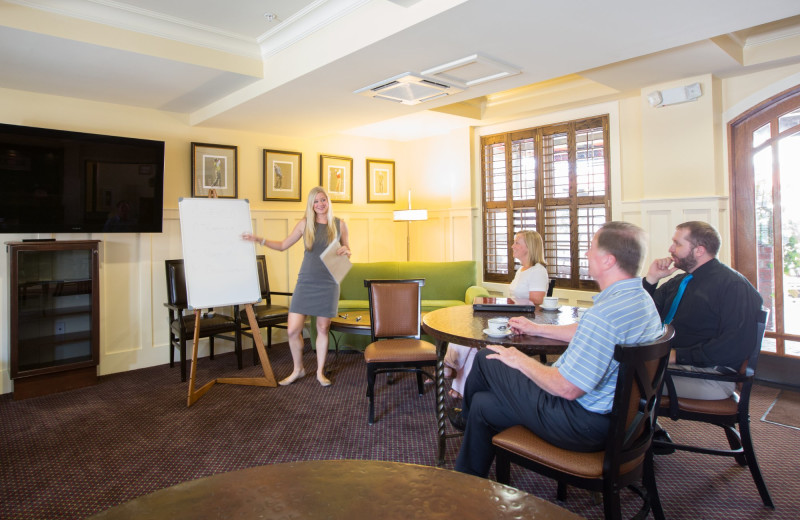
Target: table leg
441, 349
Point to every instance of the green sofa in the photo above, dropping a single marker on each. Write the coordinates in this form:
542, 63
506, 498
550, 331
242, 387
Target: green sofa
446, 284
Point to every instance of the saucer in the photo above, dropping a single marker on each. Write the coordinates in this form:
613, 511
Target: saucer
553, 309
492, 335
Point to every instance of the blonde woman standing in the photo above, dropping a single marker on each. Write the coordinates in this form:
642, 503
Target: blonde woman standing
530, 282
316, 292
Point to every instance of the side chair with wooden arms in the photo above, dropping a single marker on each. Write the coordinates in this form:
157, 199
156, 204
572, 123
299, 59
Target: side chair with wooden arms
267, 314
726, 413
181, 320
394, 311
627, 457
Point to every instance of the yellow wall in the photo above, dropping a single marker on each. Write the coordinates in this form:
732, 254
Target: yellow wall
678, 145
668, 165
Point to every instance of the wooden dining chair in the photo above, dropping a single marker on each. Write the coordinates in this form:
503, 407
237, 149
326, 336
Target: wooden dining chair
394, 310
727, 414
181, 320
627, 457
267, 314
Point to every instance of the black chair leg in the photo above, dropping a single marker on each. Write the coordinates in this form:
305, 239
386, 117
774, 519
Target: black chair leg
561, 491
211, 347
752, 463
502, 467
371, 393
420, 386
649, 481
183, 360
611, 504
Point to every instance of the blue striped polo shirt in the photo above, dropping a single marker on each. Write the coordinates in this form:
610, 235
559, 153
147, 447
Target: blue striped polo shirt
623, 313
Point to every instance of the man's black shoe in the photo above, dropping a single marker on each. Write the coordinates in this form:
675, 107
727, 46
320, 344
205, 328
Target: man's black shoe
661, 443
457, 419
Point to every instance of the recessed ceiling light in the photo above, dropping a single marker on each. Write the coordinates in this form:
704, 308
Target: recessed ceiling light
271, 17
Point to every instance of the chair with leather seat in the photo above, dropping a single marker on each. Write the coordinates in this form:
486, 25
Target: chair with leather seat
394, 311
627, 457
181, 320
268, 315
726, 413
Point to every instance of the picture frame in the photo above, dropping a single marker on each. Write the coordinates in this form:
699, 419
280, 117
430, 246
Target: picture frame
336, 177
214, 167
380, 180
283, 175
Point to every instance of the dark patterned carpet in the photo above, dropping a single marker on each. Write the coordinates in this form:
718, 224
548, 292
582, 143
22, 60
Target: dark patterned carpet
70, 455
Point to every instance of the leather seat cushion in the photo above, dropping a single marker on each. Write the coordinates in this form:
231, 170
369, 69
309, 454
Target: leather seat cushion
399, 350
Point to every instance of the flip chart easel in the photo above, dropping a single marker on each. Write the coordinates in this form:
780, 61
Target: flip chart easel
220, 270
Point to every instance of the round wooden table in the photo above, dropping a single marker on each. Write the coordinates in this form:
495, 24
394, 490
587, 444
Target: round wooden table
462, 325
338, 490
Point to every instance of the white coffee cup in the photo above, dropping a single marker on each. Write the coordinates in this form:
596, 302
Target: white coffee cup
498, 326
550, 302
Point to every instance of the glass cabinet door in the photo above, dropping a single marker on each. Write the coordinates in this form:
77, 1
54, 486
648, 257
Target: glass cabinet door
54, 302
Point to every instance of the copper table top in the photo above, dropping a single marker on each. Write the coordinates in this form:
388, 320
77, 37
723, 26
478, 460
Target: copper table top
338, 489
462, 325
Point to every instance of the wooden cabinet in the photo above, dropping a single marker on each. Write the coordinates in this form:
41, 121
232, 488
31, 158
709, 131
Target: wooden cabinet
55, 309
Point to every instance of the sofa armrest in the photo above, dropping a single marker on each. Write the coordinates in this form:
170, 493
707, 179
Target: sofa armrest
473, 291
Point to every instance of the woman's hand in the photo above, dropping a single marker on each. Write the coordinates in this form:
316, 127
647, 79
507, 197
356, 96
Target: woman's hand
344, 250
252, 238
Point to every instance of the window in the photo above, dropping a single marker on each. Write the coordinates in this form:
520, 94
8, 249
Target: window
552, 179
765, 221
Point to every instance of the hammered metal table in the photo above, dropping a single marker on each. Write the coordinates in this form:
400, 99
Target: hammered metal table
338, 490
462, 325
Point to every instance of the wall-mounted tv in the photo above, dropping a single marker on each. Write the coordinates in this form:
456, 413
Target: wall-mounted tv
55, 181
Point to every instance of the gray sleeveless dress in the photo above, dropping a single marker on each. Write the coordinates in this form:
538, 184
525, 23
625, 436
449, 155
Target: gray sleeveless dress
316, 292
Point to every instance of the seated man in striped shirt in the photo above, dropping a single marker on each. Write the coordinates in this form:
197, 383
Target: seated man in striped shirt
567, 404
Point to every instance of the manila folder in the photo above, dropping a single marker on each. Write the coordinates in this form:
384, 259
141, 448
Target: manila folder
338, 265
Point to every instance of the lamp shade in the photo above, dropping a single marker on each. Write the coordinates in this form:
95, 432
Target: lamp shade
405, 215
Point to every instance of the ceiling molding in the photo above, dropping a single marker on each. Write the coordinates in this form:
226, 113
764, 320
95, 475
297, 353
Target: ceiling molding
123, 16
304, 23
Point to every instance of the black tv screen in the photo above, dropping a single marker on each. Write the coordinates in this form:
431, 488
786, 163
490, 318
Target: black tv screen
55, 181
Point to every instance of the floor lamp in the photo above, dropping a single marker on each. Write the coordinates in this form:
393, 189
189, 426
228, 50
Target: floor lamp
407, 215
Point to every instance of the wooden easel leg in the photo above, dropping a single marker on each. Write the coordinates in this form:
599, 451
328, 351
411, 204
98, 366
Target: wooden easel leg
269, 376
194, 396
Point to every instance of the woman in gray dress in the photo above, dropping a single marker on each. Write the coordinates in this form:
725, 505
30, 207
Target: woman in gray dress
316, 292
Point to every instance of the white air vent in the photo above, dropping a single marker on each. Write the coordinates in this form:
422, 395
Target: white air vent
408, 89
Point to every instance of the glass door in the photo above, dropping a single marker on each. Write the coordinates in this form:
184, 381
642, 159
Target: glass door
765, 191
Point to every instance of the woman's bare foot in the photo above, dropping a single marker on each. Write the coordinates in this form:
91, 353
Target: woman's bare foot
449, 372
455, 395
324, 381
292, 378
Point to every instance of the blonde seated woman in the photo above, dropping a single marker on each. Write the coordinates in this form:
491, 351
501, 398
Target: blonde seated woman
530, 282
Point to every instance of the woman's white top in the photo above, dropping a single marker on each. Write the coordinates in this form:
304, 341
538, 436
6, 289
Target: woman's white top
532, 279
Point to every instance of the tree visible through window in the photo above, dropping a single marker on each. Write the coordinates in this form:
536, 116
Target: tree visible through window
552, 179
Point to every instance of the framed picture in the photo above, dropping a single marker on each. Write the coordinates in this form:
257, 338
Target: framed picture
283, 175
380, 180
336, 176
214, 167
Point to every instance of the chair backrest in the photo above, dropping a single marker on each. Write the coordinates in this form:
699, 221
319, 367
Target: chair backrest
263, 279
636, 400
395, 307
761, 328
176, 282
550, 286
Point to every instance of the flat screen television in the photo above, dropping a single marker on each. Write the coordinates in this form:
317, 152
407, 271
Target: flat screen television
55, 181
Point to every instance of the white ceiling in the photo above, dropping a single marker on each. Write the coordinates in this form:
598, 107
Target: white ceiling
224, 64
